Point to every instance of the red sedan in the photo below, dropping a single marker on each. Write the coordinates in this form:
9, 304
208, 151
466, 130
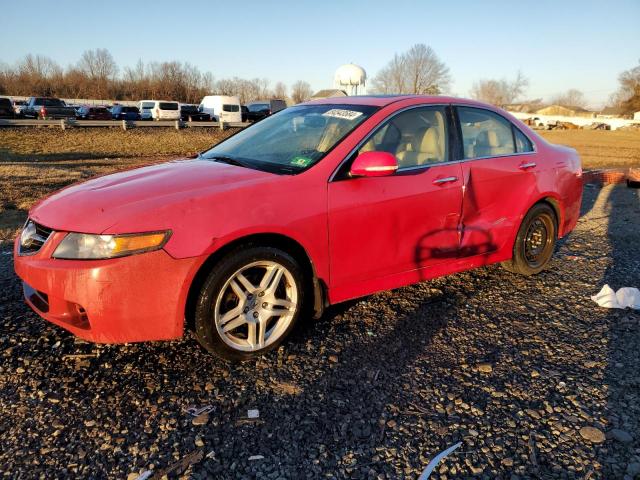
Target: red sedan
317, 204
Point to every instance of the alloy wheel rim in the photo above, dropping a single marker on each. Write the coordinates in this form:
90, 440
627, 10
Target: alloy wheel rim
256, 305
537, 240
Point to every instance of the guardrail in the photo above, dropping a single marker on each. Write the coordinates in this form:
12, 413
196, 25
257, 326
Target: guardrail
124, 124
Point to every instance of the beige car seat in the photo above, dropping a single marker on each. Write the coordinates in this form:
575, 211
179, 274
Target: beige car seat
425, 148
489, 144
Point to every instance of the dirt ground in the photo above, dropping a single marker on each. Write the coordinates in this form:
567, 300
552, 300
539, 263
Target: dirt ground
533, 378
600, 148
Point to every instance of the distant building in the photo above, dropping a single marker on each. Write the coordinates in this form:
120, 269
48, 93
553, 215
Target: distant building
522, 107
566, 111
328, 94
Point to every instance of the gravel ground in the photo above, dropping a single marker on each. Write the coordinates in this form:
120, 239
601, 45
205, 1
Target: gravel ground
530, 375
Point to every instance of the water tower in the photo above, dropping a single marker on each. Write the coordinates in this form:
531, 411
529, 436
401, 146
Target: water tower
351, 78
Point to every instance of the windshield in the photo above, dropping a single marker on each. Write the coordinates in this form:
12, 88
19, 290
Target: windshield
294, 139
147, 105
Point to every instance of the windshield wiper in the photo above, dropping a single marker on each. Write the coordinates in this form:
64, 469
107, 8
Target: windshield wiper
230, 161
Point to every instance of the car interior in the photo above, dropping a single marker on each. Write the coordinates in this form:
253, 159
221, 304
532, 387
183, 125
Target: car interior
416, 137
485, 134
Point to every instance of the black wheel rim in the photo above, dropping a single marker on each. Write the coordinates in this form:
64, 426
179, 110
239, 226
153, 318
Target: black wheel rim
538, 240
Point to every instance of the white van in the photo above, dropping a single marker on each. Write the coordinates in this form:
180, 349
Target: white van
145, 107
159, 110
221, 105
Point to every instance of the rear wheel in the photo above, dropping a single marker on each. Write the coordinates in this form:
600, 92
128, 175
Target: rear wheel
249, 303
535, 241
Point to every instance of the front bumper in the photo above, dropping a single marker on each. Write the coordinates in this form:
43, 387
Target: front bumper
129, 299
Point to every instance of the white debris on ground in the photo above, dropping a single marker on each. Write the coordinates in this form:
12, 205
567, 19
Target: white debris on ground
626, 297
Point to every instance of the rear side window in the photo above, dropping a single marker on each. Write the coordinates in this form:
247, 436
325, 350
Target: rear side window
168, 106
523, 144
53, 102
484, 133
231, 108
5, 102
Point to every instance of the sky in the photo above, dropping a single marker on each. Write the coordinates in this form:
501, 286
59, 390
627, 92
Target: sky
558, 45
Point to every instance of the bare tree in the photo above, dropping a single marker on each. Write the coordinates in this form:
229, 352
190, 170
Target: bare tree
100, 67
572, 97
280, 90
627, 97
300, 91
500, 92
418, 71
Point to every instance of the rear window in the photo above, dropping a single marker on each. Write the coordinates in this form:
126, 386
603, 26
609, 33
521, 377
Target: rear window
147, 105
231, 108
168, 106
5, 102
189, 108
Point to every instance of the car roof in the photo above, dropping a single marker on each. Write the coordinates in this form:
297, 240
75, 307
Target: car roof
384, 100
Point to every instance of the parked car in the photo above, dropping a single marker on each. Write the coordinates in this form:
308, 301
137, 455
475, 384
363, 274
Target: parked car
6, 108
18, 105
47, 108
326, 201
190, 113
165, 110
262, 109
221, 106
87, 112
145, 107
125, 112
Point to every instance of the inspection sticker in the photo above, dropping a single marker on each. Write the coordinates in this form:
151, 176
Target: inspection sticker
300, 161
341, 113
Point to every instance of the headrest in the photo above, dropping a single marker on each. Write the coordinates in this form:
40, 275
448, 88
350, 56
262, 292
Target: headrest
488, 138
425, 140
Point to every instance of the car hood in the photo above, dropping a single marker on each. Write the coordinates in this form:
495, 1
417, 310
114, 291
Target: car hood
97, 205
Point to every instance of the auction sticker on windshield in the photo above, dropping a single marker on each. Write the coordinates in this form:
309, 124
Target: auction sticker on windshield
341, 113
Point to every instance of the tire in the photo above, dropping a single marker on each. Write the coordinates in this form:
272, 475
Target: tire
535, 242
219, 298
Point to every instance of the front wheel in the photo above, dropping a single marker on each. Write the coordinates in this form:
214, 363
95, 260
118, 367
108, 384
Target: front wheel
535, 241
249, 303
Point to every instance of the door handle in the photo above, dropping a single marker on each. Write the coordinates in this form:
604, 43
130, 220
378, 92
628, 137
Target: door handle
525, 166
440, 181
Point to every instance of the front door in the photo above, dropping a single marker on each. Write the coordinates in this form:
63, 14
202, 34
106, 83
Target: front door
382, 227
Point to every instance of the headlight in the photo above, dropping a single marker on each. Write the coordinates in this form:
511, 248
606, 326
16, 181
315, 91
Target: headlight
92, 247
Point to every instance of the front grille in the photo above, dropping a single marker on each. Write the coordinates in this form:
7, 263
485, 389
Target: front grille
33, 237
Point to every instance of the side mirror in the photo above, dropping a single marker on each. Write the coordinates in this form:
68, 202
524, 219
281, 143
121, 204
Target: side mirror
374, 164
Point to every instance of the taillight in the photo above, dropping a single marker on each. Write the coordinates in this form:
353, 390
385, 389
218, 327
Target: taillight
43, 111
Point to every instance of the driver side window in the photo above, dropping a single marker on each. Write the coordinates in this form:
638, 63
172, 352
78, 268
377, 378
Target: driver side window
415, 137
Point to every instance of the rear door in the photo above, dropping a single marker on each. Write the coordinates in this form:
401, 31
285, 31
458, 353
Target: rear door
383, 226
500, 178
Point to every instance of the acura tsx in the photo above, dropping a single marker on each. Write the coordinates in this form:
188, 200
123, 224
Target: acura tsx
317, 204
